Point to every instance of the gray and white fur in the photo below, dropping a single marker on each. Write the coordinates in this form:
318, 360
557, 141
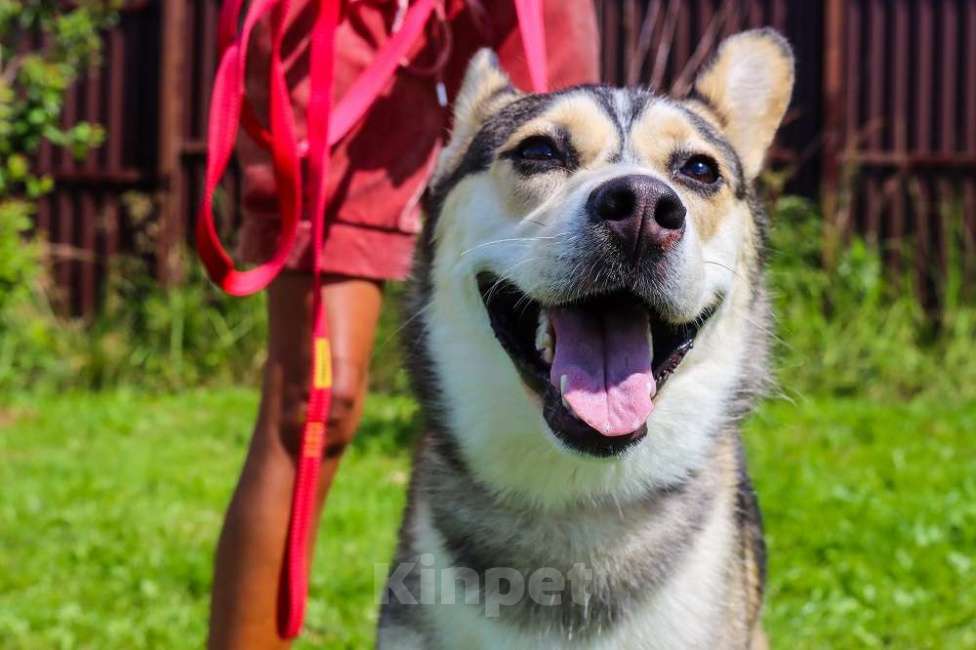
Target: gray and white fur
658, 545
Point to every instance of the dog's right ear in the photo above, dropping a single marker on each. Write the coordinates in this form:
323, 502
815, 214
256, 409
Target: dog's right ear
484, 80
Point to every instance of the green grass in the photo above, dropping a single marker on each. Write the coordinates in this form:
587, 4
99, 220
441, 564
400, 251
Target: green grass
111, 505
871, 522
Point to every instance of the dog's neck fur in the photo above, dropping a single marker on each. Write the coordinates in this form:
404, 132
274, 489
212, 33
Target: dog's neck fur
630, 548
656, 566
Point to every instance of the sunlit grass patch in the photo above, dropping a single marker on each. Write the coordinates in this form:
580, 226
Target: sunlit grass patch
112, 504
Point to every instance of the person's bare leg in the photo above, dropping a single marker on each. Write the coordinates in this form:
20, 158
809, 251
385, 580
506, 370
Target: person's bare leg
248, 561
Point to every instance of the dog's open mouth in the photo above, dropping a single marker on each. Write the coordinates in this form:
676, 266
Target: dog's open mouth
597, 363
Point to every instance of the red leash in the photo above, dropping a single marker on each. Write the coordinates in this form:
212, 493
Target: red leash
228, 112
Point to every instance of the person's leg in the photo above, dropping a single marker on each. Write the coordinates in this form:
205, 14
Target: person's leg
249, 553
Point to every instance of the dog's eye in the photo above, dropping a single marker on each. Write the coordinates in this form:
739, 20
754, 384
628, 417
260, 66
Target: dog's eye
700, 168
537, 148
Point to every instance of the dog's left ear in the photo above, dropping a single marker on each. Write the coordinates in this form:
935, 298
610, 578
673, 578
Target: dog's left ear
484, 90
749, 85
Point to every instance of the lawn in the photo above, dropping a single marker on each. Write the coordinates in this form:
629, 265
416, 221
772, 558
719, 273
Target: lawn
112, 503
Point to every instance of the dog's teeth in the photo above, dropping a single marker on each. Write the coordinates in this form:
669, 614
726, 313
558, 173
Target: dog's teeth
543, 338
563, 383
650, 343
547, 354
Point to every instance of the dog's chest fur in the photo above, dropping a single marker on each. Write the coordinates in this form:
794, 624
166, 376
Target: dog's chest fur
665, 572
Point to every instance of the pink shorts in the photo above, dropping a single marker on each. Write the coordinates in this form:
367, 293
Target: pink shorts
379, 170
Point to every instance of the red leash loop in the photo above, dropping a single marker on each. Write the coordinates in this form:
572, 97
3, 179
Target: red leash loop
229, 111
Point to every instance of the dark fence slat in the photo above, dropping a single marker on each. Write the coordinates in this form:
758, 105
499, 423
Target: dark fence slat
969, 84
874, 126
87, 252
948, 96
778, 19
611, 25
969, 138
116, 93
900, 108
924, 70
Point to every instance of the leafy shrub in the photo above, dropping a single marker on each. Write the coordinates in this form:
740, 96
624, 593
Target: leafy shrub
30, 341
145, 335
33, 84
171, 337
857, 328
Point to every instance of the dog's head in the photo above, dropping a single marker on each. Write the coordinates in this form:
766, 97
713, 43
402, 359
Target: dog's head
589, 273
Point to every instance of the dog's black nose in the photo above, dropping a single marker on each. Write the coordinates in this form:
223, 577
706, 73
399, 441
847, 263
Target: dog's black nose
642, 213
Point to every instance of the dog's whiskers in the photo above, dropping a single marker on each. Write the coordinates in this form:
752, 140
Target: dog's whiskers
724, 266
498, 282
511, 240
393, 335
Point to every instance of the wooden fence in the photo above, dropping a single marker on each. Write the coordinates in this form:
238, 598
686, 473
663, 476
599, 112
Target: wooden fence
899, 95
882, 126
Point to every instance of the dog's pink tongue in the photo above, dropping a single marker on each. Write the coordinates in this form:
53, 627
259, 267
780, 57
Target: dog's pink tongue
606, 361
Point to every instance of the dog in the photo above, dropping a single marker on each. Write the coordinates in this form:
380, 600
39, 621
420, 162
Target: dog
587, 327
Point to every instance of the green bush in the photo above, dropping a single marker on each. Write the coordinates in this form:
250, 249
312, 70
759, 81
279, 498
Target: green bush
174, 337
33, 84
145, 335
31, 342
34, 347
857, 328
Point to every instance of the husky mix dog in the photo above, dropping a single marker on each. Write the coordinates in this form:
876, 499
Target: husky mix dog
588, 327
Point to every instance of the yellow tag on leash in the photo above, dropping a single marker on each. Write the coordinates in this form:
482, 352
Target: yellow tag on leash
323, 364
